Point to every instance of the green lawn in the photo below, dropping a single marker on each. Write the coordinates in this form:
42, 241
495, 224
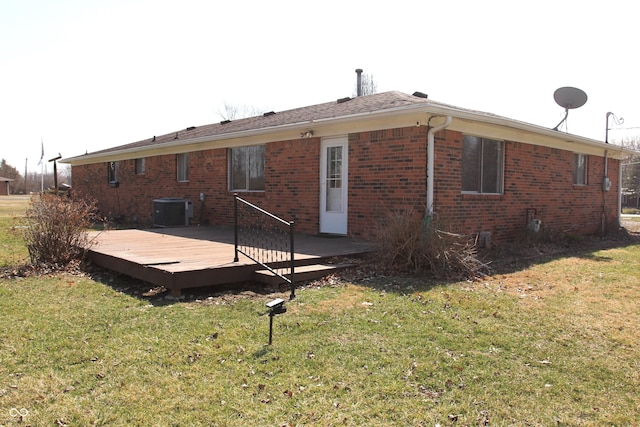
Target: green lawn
552, 343
12, 249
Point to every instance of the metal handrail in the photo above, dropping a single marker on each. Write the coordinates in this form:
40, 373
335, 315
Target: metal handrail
262, 240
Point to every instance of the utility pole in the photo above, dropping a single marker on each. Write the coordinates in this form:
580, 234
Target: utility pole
55, 172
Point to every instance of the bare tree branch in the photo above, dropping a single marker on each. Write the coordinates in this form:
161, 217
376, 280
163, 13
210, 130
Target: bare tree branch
235, 111
369, 87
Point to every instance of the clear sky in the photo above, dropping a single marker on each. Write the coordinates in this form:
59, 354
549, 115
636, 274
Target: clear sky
83, 75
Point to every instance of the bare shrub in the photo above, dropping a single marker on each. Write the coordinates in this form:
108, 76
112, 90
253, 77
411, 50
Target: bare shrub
408, 242
56, 228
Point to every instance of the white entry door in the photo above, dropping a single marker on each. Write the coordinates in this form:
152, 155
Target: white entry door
333, 186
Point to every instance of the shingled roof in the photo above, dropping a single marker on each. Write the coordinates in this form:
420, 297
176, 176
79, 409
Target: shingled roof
361, 107
328, 110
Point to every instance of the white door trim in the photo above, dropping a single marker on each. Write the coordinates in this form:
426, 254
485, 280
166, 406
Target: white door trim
334, 185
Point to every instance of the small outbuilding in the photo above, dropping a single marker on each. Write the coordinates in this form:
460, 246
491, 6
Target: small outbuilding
5, 188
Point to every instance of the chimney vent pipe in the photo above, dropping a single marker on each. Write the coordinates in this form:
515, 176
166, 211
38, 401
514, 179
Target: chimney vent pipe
359, 82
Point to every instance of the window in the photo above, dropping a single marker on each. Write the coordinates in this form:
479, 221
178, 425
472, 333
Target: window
334, 179
140, 166
580, 169
182, 161
246, 168
112, 172
482, 165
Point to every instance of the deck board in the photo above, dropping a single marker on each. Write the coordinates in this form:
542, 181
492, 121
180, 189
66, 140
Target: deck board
185, 257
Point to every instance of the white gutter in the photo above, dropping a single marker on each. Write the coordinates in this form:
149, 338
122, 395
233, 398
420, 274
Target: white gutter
429, 108
430, 163
191, 141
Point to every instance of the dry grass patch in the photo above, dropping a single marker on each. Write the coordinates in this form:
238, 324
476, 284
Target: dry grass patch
15, 205
12, 248
601, 296
344, 298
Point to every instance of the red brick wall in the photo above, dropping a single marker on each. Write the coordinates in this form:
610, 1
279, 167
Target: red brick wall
386, 174
292, 183
132, 199
291, 178
536, 178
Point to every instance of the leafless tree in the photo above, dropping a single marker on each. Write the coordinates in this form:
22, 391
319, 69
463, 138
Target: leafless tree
368, 85
631, 166
235, 111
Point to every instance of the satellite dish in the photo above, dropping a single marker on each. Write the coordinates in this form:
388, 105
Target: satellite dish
569, 98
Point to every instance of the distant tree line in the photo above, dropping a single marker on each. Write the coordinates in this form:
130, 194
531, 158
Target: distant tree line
35, 179
631, 168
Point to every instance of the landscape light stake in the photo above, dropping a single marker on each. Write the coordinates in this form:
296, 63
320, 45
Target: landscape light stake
275, 307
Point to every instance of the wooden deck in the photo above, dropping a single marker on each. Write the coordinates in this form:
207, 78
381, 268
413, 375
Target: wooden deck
188, 257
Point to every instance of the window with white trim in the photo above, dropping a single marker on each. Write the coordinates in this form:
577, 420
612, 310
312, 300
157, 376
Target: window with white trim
140, 166
482, 165
112, 172
246, 168
580, 162
182, 166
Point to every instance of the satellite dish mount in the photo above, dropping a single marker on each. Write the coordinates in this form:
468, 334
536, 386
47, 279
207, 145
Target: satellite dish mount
569, 98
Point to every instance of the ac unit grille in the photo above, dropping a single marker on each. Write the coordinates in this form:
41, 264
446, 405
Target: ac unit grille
172, 212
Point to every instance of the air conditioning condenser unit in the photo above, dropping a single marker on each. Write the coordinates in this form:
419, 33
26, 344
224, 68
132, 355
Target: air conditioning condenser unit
172, 212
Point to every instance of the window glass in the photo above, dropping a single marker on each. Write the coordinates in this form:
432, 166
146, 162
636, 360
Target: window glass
334, 193
182, 161
491, 166
580, 169
471, 163
112, 172
482, 165
140, 166
246, 168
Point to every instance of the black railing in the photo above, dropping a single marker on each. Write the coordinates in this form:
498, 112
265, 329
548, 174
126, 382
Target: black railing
265, 239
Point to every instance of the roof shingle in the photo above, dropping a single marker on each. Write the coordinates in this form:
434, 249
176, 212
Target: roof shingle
358, 105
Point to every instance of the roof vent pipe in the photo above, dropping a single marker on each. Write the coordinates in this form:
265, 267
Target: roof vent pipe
430, 163
359, 82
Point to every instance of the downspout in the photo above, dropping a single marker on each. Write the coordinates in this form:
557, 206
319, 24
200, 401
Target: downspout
620, 192
430, 163
605, 181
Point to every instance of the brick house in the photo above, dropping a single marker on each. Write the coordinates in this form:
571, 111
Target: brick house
342, 167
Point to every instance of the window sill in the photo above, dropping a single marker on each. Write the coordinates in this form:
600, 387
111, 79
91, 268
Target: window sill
481, 196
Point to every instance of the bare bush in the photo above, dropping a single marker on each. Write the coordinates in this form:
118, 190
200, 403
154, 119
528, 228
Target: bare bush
409, 242
56, 228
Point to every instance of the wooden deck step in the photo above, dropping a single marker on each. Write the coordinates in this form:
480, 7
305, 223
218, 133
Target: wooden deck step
302, 273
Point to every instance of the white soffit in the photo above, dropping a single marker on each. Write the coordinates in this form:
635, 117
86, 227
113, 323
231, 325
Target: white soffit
560, 141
